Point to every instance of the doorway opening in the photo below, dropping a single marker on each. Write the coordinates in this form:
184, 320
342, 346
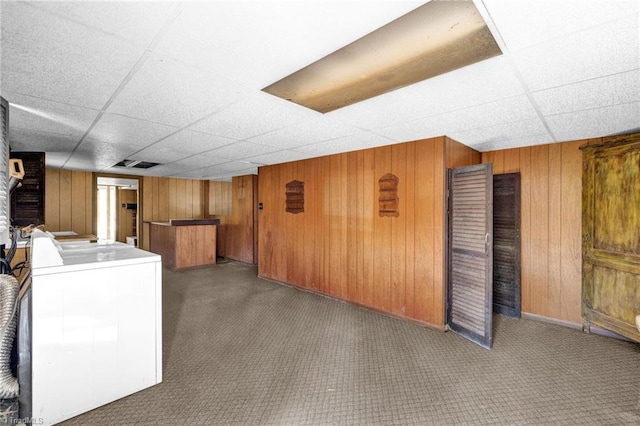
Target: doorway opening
506, 245
117, 209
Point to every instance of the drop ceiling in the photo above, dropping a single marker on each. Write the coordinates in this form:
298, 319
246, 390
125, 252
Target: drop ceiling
179, 83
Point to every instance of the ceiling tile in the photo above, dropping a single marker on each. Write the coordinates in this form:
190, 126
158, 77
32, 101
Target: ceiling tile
269, 40
252, 116
158, 155
606, 91
528, 140
60, 60
231, 168
514, 109
118, 129
476, 84
596, 122
569, 71
300, 33
166, 169
524, 23
508, 110
228, 177
362, 140
193, 174
200, 36
317, 129
611, 48
102, 154
284, 156
192, 142
82, 162
21, 139
240, 150
138, 22
126, 171
502, 134
41, 115
169, 92
198, 161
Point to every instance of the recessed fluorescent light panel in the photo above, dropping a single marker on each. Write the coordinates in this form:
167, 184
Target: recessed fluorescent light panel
438, 37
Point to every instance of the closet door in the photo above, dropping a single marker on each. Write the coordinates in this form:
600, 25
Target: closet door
470, 253
506, 244
611, 235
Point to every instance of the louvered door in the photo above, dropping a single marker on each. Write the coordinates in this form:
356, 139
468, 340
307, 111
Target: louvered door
4, 165
27, 202
470, 249
506, 244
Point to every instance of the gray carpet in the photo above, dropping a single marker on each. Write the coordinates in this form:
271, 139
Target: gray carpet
243, 351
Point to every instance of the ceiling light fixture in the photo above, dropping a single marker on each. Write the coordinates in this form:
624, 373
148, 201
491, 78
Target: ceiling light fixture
132, 163
136, 164
436, 38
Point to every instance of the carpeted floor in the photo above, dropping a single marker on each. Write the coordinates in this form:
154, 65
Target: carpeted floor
243, 351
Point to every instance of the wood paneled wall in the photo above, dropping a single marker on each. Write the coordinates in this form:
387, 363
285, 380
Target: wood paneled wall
459, 155
342, 247
219, 198
238, 230
219, 205
170, 198
68, 201
227, 201
551, 218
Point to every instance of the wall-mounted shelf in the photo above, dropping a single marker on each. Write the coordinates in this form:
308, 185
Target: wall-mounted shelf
388, 197
295, 197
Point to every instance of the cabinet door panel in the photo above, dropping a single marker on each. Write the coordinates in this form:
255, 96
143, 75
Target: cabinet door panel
611, 235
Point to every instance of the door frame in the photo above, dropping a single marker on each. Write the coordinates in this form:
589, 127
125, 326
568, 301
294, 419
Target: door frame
94, 201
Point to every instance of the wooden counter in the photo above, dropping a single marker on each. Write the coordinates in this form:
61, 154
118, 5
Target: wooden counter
184, 243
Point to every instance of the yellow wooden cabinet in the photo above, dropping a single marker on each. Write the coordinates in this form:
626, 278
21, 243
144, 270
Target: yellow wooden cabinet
611, 235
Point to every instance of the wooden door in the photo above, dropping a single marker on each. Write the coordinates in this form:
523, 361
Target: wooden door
611, 235
470, 248
27, 201
506, 244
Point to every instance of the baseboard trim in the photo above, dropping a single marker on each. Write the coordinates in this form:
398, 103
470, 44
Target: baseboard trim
414, 321
555, 321
592, 328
